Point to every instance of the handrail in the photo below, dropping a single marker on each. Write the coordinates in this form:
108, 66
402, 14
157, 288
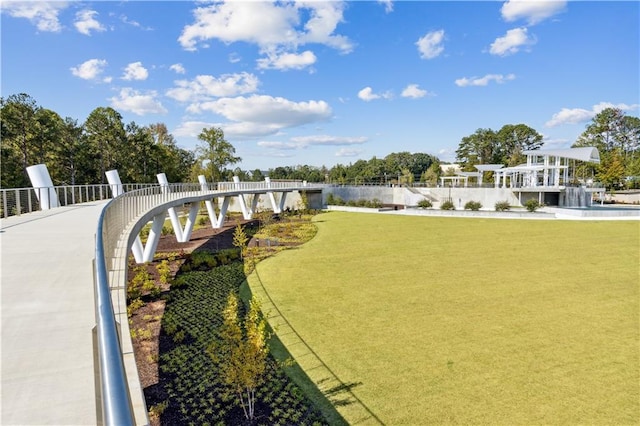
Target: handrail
17, 201
117, 221
115, 397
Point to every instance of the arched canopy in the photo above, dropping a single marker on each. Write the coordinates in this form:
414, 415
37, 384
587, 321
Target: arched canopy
588, 153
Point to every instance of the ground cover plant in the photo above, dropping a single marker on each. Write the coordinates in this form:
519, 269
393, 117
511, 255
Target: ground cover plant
176, 306
469, 321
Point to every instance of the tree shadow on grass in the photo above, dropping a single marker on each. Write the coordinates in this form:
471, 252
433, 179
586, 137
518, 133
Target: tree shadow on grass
340, 395
322, 401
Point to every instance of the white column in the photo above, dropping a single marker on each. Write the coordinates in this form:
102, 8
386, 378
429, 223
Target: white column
545, 172
272, 197
173, 215
164, 184
243, 205
191, 221
114, 183
41, 182
117, 189
223, 212
208, 203
153, 239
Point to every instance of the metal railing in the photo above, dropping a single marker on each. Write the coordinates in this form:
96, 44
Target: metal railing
117, 221
17, 201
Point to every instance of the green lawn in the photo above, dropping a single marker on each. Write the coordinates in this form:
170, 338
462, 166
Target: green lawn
423, 320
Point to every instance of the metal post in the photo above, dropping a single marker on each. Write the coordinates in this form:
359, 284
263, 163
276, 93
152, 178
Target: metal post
18, 208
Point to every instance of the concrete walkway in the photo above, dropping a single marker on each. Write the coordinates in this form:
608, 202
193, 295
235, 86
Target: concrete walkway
47, 314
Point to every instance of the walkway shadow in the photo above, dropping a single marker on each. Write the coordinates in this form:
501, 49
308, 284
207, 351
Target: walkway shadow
309, 371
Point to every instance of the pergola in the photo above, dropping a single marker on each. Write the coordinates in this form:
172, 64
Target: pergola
544, 168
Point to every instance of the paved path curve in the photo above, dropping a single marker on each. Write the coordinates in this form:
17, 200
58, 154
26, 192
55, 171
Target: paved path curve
47, 314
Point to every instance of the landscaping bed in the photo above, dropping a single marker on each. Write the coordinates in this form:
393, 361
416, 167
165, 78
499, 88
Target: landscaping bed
175, 306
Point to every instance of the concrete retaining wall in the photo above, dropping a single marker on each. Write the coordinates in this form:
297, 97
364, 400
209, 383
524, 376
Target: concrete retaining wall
488, 197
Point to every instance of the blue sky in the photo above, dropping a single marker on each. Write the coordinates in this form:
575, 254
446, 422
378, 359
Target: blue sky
322, 83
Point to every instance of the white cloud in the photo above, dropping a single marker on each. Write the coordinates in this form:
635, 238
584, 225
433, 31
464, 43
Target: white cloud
205, 87
555, 143
483, 81
133, 23
135, 71
324, 18
234, 57
534, 11
305, 141
42, 14
388, 5
90, 70
511, 42
430, 45
260, 23
284, 146
581, 115
138, 103
258, 115
286, 61
367, 94
346, 152
268, 110
86, 22
191, 129
413, 91
274, 27
178, 69
250, 129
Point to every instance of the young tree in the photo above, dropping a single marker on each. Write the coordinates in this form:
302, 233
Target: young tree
242, 356
431, 175
216, 152
240, 239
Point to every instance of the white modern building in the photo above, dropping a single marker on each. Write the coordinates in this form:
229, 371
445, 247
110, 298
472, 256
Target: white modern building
548, 175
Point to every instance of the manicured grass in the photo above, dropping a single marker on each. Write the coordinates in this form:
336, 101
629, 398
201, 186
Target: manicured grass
450, 320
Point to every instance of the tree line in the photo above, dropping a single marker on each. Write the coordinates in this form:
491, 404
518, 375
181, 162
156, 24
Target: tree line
80, 153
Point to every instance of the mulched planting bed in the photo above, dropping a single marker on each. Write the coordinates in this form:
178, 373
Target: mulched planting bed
172, 329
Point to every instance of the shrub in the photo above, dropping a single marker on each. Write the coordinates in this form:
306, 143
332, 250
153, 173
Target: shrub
164, 271
425, 204
134, 306
473, 205
375, 203
334, 200
532, 205
502, 206
447, 205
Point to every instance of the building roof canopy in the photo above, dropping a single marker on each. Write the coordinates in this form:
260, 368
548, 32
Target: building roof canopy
587, 153
488, 167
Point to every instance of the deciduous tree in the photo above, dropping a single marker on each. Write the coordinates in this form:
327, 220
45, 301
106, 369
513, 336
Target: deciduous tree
106, 134
240, 355
216, 152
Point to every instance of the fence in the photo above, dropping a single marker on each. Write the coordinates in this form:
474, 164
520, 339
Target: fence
17, 201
